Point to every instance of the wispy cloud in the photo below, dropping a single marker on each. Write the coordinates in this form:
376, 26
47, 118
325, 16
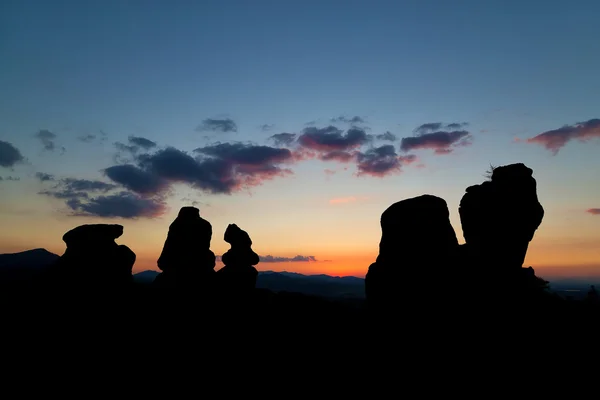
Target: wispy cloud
349, 199
442, 138
556, 139
217, 125
594, 211
47, 139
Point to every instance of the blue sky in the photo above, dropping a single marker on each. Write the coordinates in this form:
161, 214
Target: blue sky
158, 69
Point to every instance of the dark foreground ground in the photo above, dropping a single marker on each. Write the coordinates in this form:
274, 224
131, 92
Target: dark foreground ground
185, 340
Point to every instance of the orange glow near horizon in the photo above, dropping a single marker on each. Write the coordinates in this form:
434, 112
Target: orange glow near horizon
343, 246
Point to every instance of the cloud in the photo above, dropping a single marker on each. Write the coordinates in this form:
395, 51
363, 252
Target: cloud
120, 205
70, 188
9, 155
298, 258
217, 125
353, 120
266, 127
43, 177
381, 161
439, 126
341, 156
87, 138
555, 139
47, 139
329, 171
141, 142
244, 154
10, 178
594, 211
220, 168
431, 136
85, 185
346, 200
283, 139
136, 143
136, 179
331, 138
78, 197
389, 136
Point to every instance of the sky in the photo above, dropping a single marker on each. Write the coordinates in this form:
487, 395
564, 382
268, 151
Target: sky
301, 122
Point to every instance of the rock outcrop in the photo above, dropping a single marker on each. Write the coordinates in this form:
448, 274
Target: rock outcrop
186, 259
417, 244
93, 258
499, 218
238, 276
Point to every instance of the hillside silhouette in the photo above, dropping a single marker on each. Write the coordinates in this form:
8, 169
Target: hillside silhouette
421, 273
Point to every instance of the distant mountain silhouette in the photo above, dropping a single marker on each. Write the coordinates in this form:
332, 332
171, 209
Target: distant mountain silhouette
25, 265
35, 258
316, 285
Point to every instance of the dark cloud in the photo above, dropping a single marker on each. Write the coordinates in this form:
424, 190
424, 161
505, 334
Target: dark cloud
266, 127
217, 168
9, 155
346, 120
71, 188
283, 139
120, 205
142, 142
135, 144
555, 139
10, 178
85, 185
456, 125
64, 194
389, 136
331, 138
87, 198
439, 126
239, 153
594, 211
428, 136
43, 177
47, 139
174, 165
381, 161
87, 138
218, 125
341, 156
136, 179
298, 258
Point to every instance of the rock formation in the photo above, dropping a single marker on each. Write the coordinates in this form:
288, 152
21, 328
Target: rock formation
93, 258
499, 218
186, 258
238, 276
417, 244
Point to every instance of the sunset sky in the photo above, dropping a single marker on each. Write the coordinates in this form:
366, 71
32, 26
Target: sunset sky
299, 121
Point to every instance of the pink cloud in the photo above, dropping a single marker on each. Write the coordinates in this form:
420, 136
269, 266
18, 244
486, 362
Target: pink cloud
346, 200
555, 139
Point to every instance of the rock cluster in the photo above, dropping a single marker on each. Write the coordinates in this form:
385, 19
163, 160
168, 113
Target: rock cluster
238, 276
93, 256
186, 259
419, 252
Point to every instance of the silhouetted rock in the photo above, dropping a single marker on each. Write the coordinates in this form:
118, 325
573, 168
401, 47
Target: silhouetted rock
238, 276
417, 244
186, 259
94, 258
499, 218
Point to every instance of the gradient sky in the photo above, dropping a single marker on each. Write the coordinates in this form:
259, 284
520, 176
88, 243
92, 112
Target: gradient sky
124, 111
